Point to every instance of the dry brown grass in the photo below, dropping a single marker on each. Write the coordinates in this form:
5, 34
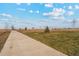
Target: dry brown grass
3, 36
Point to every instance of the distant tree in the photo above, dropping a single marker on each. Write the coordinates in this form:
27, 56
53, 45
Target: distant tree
19, 28
47, 29
33, 28
12, 27
25, 28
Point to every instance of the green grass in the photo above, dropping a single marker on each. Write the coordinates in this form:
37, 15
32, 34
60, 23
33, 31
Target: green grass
67, 42
3, 37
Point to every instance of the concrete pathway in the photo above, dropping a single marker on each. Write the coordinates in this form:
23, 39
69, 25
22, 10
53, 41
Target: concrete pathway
19, 44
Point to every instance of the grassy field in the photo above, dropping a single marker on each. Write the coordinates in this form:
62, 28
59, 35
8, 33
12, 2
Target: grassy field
65, 41
3, 36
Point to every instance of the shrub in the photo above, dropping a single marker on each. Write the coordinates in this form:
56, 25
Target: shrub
25, 28
47, 29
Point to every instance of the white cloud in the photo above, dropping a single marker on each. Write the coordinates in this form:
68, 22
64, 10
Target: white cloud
21, 9
31, 11
6, 15
37, 11
41, 3
45, 14
59, 17
48, 5
28, 4
69, 7
70, 13
18, 3
76, 6
55, 12
64, 6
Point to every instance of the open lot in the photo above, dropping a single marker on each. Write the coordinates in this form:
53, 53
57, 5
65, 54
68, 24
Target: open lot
65, 41
3, 36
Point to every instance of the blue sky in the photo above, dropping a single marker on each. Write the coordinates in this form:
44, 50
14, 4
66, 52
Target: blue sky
38, 15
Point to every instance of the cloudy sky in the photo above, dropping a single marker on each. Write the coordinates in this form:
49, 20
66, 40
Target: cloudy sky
39, 15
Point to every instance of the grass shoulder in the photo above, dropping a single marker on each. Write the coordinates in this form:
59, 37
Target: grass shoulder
65, 41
